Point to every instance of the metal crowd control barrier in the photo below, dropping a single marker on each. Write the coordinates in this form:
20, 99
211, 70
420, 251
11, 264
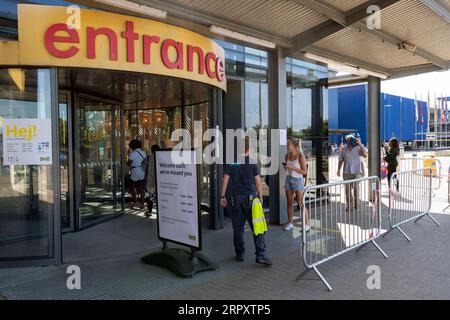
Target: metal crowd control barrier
406, 164
347, 217
448, 190
409, 198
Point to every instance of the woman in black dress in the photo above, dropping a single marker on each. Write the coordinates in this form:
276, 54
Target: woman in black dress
392, 152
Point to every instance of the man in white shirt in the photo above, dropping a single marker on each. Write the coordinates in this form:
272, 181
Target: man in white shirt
350, 158
137, 161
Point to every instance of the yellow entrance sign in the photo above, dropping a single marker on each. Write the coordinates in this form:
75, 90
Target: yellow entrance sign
103, 40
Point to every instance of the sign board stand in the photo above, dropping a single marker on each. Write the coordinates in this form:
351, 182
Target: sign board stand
182, 262
178, 218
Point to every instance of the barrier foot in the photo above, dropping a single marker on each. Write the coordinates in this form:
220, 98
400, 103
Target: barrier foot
434, 220
360, 247
301, 275
431, 217
403, 233
379, 249
323, 279
388, 231
419, 218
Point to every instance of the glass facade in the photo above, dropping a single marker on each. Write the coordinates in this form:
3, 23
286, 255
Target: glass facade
307, 113
26, 191
249, 66
100, 112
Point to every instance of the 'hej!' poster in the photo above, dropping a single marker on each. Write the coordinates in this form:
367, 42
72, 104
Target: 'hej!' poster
27, 142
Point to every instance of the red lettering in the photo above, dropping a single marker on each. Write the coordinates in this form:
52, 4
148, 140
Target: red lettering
200, 58
172, 52
178, 64
220, 69
210, 57
147, 46
50, 38
91, 37
130, 37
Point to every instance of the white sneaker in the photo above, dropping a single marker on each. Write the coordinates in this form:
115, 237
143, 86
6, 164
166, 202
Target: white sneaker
307, 228
289, 227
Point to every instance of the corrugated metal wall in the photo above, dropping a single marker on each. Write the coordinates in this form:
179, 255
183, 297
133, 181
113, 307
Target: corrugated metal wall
348, 110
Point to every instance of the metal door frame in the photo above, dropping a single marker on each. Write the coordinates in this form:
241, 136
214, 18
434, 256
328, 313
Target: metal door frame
70, 160
75, 194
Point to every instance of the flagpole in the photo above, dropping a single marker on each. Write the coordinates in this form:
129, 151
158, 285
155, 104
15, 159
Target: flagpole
428, 119
440, 123
435, 119
401, 119
442, 119
422, 115
446, 119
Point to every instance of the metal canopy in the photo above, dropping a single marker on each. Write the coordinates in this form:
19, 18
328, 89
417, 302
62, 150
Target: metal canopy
413, 37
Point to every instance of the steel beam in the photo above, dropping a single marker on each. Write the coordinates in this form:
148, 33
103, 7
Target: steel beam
197, 16
374, 127
413, 70
324, 9
354, 17
388, 38
278, 120
313, 35
348, 60
440, 8
338, 20
360, 12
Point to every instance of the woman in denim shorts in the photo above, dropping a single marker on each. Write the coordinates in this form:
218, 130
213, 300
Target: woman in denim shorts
296, 169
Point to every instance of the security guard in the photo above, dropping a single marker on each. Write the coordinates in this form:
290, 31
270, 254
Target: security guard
245, 187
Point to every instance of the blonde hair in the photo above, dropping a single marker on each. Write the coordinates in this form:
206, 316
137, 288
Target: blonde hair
297, 144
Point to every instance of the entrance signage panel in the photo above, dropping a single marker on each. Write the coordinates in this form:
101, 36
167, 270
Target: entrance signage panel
27, 142
117, 42
177, 197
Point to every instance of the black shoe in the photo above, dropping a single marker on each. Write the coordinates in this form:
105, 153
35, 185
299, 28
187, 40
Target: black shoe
239, 258
264, 261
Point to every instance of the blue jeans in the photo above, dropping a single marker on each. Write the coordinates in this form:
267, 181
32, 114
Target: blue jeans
241, 210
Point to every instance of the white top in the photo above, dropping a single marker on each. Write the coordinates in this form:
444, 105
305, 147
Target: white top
296, 164
352, 160
137, 172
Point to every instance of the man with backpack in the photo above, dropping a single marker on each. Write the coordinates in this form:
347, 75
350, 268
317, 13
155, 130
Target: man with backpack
138, 162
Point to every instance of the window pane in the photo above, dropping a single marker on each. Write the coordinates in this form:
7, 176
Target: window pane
26, 191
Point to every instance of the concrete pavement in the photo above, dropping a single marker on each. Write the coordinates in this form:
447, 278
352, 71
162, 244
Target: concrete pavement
109, 257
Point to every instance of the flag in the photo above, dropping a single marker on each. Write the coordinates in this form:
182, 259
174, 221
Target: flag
442, 109
421, 112
428, 111
435, 111
416, 108
445, 109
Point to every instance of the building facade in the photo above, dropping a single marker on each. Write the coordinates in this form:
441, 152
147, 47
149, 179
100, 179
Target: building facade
117, 78
348, 110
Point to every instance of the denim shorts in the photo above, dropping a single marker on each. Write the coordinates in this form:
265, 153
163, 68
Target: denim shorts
296, 184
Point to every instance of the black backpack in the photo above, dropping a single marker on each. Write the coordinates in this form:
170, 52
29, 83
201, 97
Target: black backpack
144, 166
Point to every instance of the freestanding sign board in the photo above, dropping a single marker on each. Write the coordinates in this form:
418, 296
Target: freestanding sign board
27, 142
177, 199
178, 209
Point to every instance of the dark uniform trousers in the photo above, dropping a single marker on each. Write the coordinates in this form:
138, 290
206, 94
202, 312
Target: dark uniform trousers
241, 211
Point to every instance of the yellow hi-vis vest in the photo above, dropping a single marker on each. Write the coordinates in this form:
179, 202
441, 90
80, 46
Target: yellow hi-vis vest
258, 219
